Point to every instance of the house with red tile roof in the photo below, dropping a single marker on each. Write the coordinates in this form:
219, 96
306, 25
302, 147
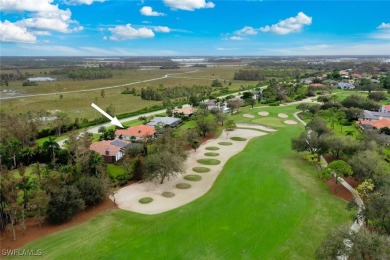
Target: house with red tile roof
376, 124
385, 109
110, 150
135, 132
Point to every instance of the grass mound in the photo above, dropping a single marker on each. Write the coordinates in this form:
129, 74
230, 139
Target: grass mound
183, 186
212, 148
168, 194
201, 169
236, 138
192, 177
225, 143
209, 161
211, 154
145, 200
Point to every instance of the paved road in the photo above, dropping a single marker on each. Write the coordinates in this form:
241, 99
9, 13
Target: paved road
94, 89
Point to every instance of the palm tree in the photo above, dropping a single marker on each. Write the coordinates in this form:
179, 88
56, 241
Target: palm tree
52, 145
27, 152
14, 146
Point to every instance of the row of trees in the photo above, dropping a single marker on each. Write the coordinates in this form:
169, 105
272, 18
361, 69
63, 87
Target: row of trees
84, 73
284, 92
160, 93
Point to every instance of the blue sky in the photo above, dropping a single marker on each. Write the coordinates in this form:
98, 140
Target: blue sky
193, 27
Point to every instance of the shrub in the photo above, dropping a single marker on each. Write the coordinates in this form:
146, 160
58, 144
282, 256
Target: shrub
92, 190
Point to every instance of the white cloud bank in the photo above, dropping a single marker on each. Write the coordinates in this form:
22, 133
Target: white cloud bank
10, 32
247, 30
188, 5
162, 29
384, 26
236, 38
148, 11
127, 32
82, 2
43, 17
289, 25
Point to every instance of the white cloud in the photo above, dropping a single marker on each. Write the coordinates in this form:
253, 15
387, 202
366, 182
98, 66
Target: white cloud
10, 32
384, 26
236, 38
162, 29
246, 30
188, 5
148, 11
289, 25
28, 5
83, 2
127, 32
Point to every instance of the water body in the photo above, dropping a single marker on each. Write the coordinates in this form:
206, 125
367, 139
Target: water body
41, 79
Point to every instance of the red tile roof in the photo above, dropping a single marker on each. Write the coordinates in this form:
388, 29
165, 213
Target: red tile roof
316, 85
137, 131
102, 146
377, 123
387, 108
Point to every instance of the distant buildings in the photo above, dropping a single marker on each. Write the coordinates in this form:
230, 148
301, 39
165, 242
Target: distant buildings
345, 85
135, 133
164, 121
111, 150
184, 111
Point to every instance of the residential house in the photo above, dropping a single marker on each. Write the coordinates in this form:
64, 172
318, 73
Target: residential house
345, 85
186, 111
385, 109
135, 133
317, 85
212, 104
372, 115
110, 150
374, 124
164, 121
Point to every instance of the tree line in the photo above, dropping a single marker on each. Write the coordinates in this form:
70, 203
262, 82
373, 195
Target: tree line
84, 73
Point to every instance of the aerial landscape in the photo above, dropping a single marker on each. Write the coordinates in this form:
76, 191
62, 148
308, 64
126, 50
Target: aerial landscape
194, 129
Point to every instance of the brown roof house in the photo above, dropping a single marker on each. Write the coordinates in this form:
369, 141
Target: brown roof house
184, 111
376, 124
111, 150
136, 133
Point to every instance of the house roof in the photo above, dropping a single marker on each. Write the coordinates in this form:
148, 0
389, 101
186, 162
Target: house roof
375, 115
316, 85
185, 110
383, 122
112, 146
387, 107
137, 131
164, 120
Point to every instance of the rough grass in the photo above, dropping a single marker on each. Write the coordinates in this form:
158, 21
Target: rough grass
209, 161
183, 186
201, 169
168, 194
211, 154
192, 177
145, 200
212, 148
236, 138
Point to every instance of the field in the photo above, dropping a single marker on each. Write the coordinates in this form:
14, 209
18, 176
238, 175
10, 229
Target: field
266, 204
78, 104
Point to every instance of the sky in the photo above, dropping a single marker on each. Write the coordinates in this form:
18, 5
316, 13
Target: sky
194, 27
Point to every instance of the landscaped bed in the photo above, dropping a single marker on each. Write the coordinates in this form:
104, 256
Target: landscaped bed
209, 161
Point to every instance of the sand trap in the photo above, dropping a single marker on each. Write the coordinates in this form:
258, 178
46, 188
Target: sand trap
248, 116
263, 113
281, 115
290, 122
127, 197
256, 126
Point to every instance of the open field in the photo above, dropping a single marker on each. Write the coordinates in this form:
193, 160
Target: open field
277, 208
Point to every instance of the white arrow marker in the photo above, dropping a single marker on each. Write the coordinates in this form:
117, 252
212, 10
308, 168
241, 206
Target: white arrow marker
114, 120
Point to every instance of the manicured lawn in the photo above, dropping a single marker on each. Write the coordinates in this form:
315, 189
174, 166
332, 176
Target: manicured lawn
209, 161
266, 204
114, 170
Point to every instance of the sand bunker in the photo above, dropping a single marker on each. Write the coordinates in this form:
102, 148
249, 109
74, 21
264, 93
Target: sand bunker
248, 116
290, 122
263, 113
281, 115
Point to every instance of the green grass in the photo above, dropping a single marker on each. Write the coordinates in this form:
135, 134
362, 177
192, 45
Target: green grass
212, 148
192, 177
225, 143
114, 170
211, 154
183, 186
201, 169
168, 194
236, 138
209, 161
145, 200
267, 203
41, 141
